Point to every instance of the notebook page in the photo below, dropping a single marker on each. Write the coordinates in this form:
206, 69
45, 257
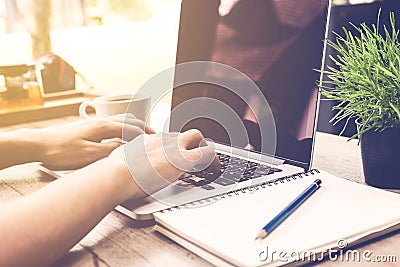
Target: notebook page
340, 209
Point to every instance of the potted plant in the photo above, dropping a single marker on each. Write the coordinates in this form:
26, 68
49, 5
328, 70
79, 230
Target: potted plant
365, 79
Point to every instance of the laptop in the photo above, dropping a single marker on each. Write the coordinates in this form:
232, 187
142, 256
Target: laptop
246, 77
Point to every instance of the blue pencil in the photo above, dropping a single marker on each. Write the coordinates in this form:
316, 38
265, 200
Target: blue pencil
267, 229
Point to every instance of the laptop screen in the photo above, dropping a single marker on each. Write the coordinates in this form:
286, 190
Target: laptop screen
277, 44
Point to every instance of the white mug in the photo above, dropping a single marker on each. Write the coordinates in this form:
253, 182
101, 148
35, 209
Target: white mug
108, 105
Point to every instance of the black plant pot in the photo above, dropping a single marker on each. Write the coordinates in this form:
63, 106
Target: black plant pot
380, 153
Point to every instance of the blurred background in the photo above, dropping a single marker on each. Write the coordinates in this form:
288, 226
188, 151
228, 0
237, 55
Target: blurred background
116, 44
119, 44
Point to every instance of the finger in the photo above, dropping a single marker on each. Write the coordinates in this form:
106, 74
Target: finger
191, 139
133, 121
149, 130
104, 149
131, 132
125, 115
116, 129
205, 158
203, 155
146, 127
114, 139
124, 119
140, 124
101, 150
105, 130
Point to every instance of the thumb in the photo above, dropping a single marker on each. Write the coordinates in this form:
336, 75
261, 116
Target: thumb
203, 155
205, 158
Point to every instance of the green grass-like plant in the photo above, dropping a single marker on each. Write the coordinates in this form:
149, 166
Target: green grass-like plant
366, 78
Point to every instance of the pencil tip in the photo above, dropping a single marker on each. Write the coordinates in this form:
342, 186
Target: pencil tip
262, 234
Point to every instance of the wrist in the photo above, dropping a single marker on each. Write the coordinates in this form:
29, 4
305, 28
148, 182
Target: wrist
121, 179
21, 146
41, 141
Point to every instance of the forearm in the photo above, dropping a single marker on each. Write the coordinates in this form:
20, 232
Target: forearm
45, 224
19, 147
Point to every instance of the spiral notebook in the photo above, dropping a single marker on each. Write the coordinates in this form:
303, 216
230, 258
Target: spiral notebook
341, 213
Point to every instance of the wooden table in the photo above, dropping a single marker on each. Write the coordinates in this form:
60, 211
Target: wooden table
120, 241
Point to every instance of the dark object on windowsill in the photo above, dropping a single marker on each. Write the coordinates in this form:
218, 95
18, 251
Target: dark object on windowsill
57, 75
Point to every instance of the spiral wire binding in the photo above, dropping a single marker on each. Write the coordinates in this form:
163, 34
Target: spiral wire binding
245, 190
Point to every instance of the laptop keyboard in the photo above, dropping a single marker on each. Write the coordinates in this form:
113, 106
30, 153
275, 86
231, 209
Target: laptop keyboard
233, 170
